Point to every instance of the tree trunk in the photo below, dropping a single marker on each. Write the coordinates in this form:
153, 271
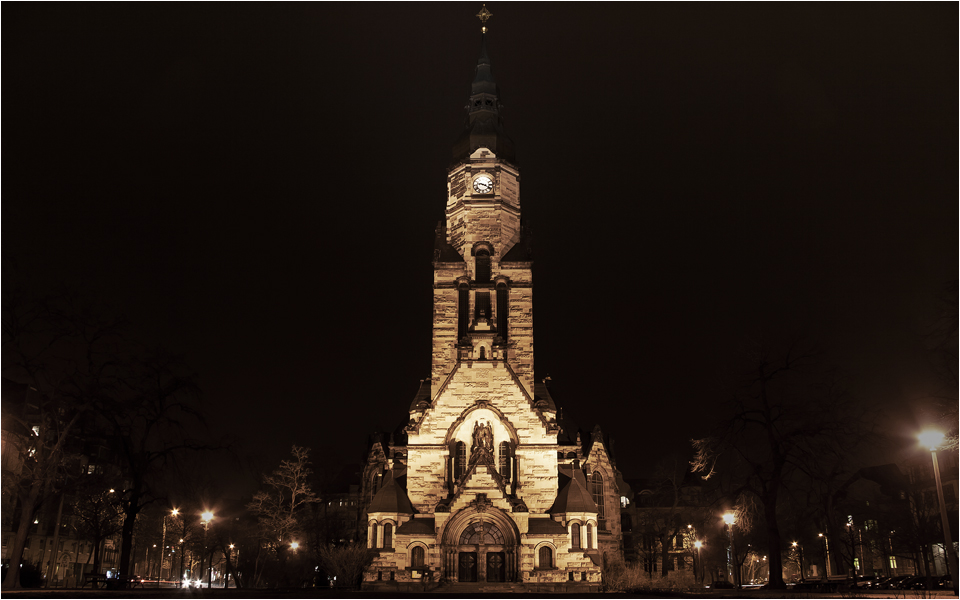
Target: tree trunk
664, 554
130, 509
774, 558
28, 510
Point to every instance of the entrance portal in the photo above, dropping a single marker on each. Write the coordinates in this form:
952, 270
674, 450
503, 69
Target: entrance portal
467, 570
496, 566
481, 546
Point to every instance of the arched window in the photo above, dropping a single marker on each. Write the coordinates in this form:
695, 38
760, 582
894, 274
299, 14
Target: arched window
598, 497
461, 461
575, 535
388, 535
416, 556
481, 533
589, 535
546, 557
505, 460
483, 266
373, 534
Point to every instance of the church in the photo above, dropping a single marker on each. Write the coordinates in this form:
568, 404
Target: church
485, 482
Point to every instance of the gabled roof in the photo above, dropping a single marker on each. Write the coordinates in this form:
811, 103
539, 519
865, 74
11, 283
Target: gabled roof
574, 497
391, 498
545, 527
418, 527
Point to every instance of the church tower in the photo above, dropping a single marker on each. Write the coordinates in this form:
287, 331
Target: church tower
482, 483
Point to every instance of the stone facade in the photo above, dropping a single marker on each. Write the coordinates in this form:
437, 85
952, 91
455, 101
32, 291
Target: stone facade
485, 481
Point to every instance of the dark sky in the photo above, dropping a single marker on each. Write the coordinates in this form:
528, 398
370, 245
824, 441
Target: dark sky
257, 186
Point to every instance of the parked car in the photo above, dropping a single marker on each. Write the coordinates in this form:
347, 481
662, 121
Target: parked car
891, 583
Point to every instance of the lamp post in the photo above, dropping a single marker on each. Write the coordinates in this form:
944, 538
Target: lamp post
932, 440
205, 518
698, 571
730, 520
799, 550
826, 548
226, 581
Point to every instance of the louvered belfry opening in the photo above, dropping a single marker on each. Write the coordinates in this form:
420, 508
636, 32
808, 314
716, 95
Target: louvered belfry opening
483, 266
482, 310
463, 321
502, 310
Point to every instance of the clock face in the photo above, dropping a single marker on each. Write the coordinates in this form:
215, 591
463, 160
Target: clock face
483, 184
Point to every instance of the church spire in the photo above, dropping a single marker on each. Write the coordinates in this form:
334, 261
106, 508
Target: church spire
484, 126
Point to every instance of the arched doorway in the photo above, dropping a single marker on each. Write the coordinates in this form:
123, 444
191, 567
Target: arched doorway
481, 546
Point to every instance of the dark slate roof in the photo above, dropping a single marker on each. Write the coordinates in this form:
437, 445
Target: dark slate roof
391, 499
574, 497
545, 526
442, 250
422, 395
522, 251
540, 392
484, 128
418, 527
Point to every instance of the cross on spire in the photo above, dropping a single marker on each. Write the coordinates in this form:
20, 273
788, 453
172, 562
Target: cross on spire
484, 15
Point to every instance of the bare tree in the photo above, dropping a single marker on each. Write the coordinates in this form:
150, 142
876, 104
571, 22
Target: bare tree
156, 422
785, 414
60, 355
278, 505
97, 515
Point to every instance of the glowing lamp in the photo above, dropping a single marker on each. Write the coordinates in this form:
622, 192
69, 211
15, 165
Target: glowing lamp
931, 438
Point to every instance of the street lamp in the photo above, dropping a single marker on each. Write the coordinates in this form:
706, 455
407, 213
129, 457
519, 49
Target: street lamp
932, 440
826, 551
699, 570
799, 550
730, 519
294, 546
226, 581
205, 518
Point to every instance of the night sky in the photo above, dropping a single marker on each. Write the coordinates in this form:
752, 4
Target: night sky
257, 186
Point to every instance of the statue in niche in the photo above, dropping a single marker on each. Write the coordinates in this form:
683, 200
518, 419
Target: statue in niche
482, 438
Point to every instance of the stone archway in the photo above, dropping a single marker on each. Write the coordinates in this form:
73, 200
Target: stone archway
481, 544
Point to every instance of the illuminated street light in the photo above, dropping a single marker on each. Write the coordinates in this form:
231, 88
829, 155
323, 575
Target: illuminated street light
799, 549
205, 518
294, 546
698, 571
730, 519
932, 440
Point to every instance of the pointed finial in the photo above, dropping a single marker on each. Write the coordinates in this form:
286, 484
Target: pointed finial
483, 15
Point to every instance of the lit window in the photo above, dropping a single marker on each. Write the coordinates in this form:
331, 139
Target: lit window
893, 562
598, 497
624, 502
388, 535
